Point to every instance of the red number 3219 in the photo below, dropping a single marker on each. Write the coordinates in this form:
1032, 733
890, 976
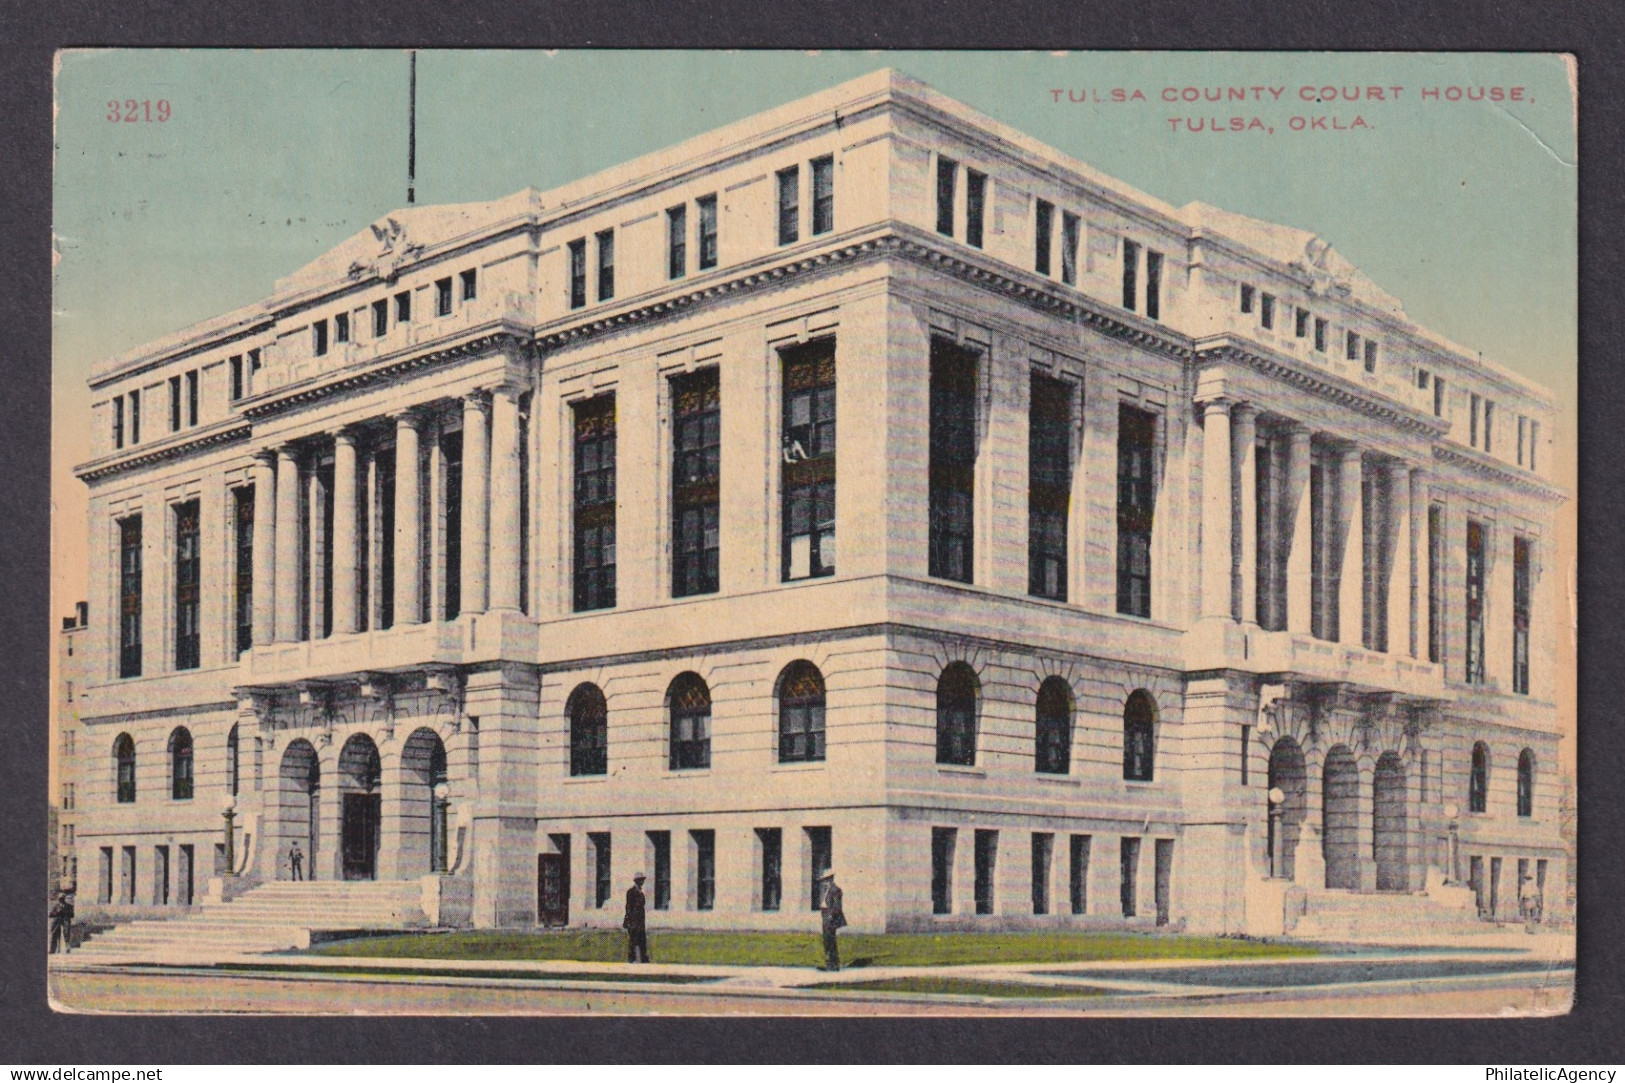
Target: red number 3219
131, 111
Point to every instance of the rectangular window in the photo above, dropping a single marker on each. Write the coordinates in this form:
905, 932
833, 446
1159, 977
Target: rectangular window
660, 859
704, 844
1300, 323
1043, 850
135, 417
341, 327
707, 206
236, 365
1246, 754
380, 319
1247, 295
1520, 616
1474, 655
1043, 227
1266, 311
1435, 544
677, 242
1129, 876
243, 525
1131, 272
1352, 347
696, 480
191, 397
823, 194
975, 206
1071, 228
578, 273
1136, 445
947, 169
986, 861
770, 841
1474, 405
175, 404
127, 893
1320, 334
1438, 396
789, 205
595, 503
1534, 441
606, 264
807, 475
1370, 356
403, 307
821, 854
1049, 485
953, 460
601, 883
1153, 285
1523, 433
118, 421
442, 297
470, 283
1079, 874
1423, 379
942, 869
129, 663
1489, 425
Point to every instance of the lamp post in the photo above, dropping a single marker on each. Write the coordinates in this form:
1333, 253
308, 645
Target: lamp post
228, 811
1277, 798
1452, 812
441, 790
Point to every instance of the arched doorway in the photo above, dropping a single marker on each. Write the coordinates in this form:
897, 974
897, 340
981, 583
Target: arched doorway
361, 807
1388, 823
299, 788
423, 815
1288, 773
1340, 804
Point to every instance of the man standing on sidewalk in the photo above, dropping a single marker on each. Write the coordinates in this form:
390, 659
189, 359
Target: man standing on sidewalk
62, 922
296, 862
637, 936
833, 919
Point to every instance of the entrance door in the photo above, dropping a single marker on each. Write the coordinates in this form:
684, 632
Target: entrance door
553, 889
1388, 824
184, 877
360, 836
1165, 877
1340, 800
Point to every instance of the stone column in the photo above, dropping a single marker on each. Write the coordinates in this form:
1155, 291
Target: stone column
408, 525
264, 548
476, 514
1216, 553
344, 533
1351, 584
287, 544
1397, 544
1300, 538
1421, 564
505, 521
1244, 431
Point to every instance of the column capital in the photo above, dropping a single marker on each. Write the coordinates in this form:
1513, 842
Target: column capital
264, 456
1215, 405
477, 399
349, 434
1350, 453
1244, 412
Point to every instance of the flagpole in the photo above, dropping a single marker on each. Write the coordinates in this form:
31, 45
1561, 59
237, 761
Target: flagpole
412, 132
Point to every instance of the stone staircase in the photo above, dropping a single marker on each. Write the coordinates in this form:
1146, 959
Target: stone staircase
1383, 916
276, 916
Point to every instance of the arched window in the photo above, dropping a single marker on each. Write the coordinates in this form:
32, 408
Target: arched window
690, 702
589, 731
1526, 783
180, 764
801, 713
1139, 736
232, 761
1052, 754
957, 690
124, 761
1478, 782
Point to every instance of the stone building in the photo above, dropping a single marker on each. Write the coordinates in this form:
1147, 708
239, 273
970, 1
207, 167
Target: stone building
864, 483
64, 863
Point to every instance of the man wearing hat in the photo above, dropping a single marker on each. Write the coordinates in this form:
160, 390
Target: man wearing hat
833, 918
62, 921
637, 936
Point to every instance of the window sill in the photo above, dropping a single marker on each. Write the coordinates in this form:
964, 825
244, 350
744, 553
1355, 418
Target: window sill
1058, 780
688, 772
960, 769
800, 765
1141, 783
579, 780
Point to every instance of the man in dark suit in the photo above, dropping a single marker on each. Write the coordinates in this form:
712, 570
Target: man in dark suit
62, 922
833, 919
296, 862
637, 936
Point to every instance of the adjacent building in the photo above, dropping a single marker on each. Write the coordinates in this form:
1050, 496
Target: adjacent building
71, 644
864, 484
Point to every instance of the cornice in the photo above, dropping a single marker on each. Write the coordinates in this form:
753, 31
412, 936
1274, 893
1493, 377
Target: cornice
107, 467
1326, 385
1484, 466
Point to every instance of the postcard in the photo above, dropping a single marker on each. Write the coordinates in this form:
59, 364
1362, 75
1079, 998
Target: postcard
814, 533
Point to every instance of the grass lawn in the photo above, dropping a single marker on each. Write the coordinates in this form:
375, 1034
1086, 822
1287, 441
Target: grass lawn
804, 949
965, 987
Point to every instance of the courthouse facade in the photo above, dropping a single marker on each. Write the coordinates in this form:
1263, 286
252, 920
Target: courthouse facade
864, 484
